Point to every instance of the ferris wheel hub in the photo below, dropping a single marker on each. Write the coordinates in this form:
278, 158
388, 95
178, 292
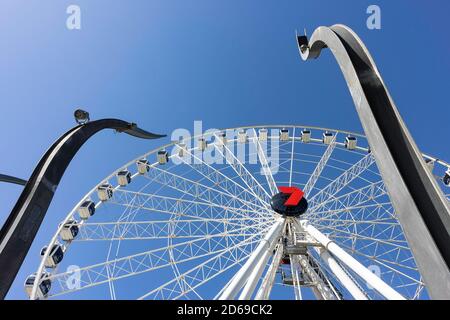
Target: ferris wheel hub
290, 202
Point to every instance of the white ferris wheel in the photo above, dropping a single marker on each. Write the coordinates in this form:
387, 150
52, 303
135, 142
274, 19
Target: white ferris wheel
194, 220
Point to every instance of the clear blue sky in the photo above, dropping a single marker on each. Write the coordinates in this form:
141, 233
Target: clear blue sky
164, 64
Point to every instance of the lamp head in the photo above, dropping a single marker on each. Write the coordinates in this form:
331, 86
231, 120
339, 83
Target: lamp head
81, 116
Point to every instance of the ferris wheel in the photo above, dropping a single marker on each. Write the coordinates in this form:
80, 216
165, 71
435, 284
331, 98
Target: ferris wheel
201, 218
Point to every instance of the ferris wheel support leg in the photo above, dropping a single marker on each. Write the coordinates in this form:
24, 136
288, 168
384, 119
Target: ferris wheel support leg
420, 205
267, 283
340, 274
379, 285
254, 277
266, 245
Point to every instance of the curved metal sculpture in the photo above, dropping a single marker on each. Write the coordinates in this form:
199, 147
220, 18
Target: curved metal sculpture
19, 230
11, 179
420, 206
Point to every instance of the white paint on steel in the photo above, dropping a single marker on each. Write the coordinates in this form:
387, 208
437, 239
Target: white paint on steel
377, 283
266, 244
341, 275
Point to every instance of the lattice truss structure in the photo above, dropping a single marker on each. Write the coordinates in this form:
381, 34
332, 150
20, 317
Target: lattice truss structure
182, 229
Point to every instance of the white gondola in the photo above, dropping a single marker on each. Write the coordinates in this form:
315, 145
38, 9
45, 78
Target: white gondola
69, 230
350, 142
202, 144
446, 178
86, 210
143, 166
327, 137
162, 156
42, 289
223, 138
123, 177
306, 135
242, 136
182, 149
105, 191
284, 134
54, 257
263, 134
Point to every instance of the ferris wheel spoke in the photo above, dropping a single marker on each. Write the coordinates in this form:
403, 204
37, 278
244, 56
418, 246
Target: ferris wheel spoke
390, 229
266, 169
373, 215
177, 207
377, 215
353, 198
337, 206
358, 237
341, 181
204, 272
195, 188
386, 230
229, 184
140, 263
292, 157
222, 181
390, 266
229, 206
392, 253
344, 222
319, 168
388, 234
328, 214
249, 180
145, 230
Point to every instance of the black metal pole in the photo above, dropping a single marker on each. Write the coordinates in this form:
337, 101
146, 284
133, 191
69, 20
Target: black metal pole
11, 179
22, 225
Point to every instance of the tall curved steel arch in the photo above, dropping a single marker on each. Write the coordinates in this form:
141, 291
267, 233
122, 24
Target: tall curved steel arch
20, 228
420, 205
